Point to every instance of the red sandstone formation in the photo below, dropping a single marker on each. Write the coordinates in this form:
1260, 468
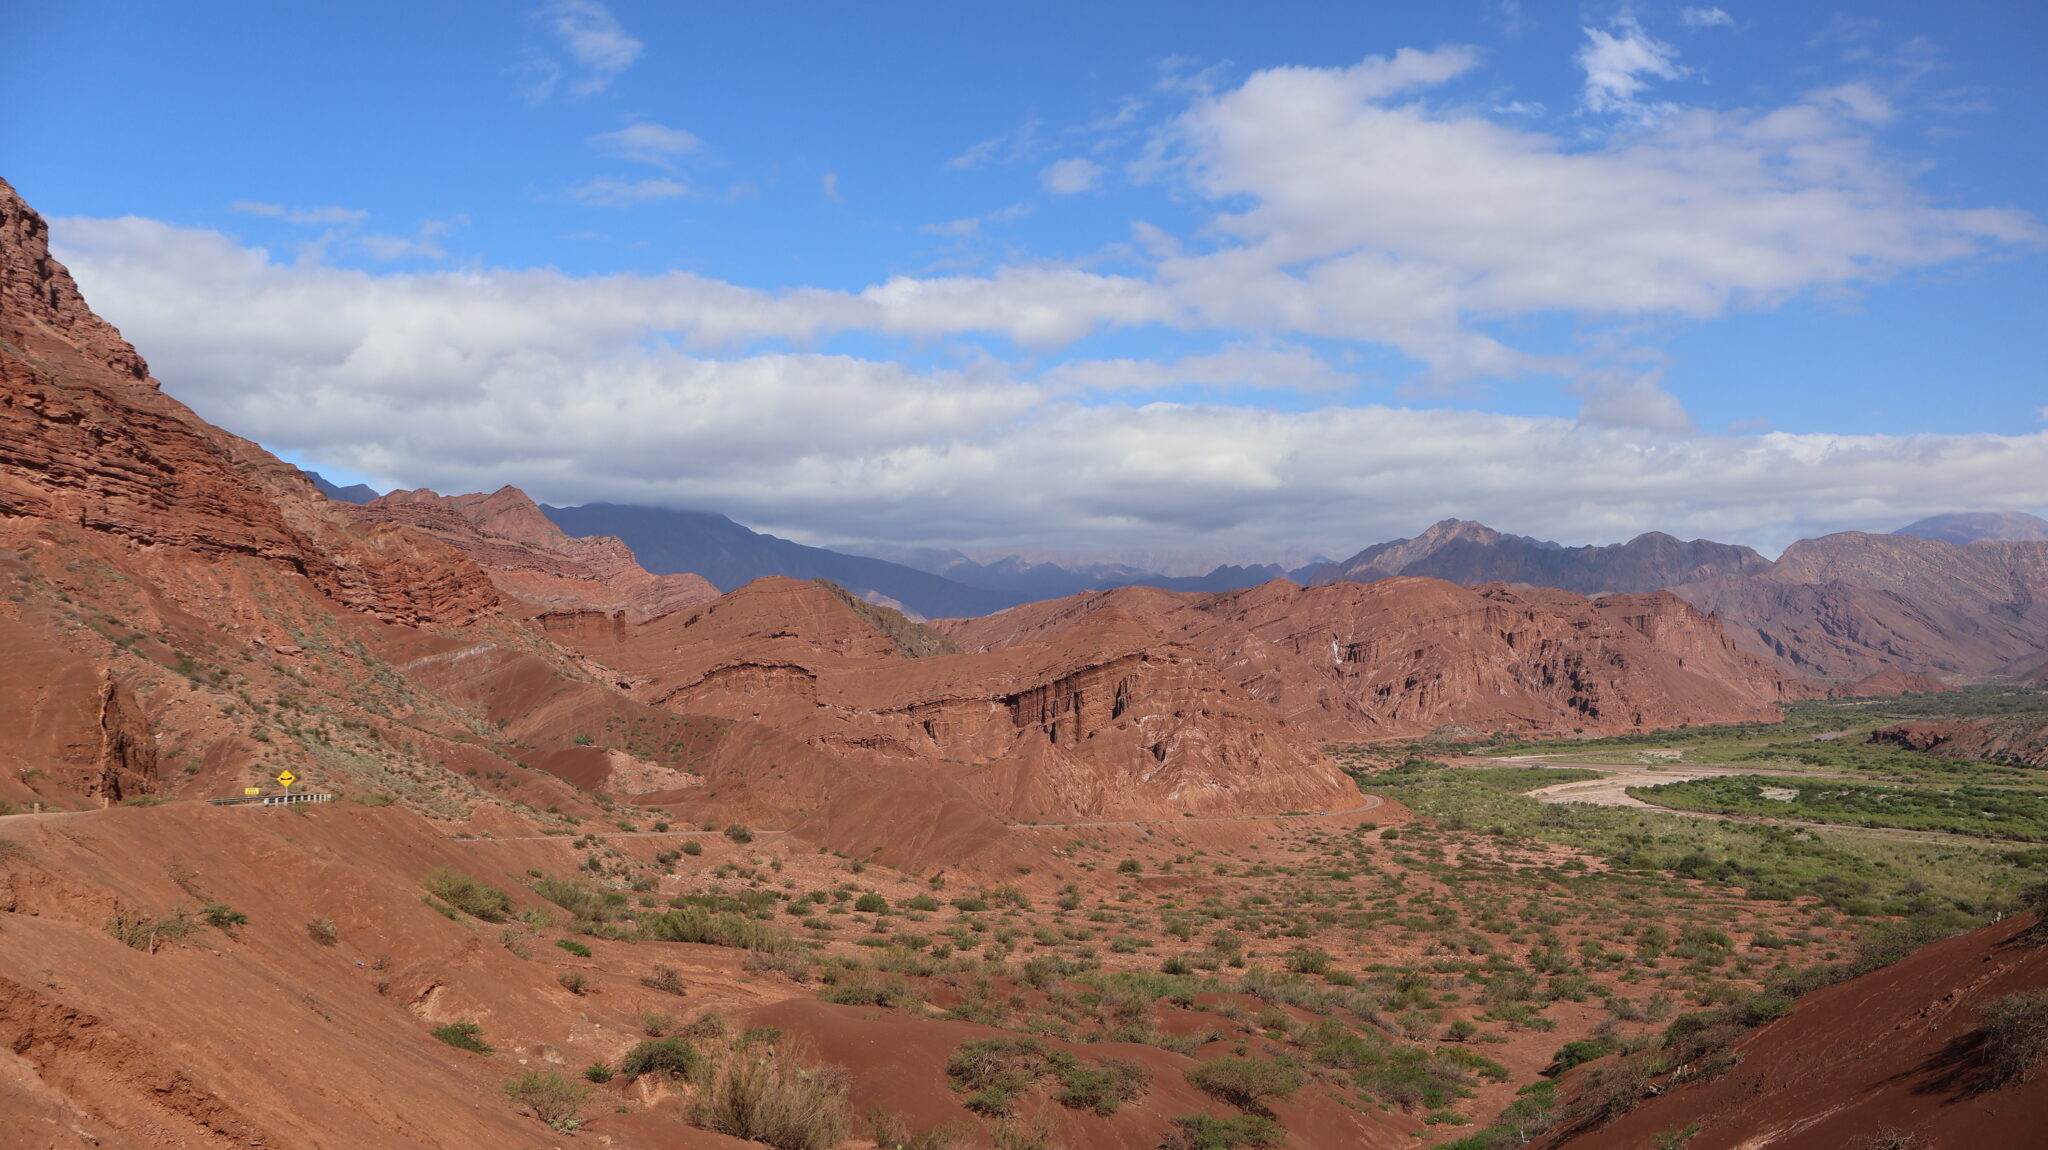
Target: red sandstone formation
1106, 719
1405, 656
530, 559
1891, 681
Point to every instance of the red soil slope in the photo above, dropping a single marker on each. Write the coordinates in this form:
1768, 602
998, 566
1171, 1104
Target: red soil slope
1893, 1050
1404, 656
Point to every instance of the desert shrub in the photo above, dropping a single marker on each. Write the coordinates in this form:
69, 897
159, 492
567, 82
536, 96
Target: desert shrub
1247, 1082
923, 902
993, 1071
549, 1097
655, 1023
574, 981
1110, 1084
223, 917
859, 988
665, 979
674, 1058
138, 930
872, 903
468, 894
697, 924
463, 1034
573, 947
692, 847
794, 965
323, 931
1611, 1090
739, 834
2015, 1037
891, 1132
1203, 1132
1577, 1053
1308, 960
600, 1072
760, 1093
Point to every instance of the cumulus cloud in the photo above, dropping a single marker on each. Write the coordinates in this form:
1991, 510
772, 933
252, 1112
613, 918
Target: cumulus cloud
1070, 176
646, 143
1376, 217
1705, 18
466, 381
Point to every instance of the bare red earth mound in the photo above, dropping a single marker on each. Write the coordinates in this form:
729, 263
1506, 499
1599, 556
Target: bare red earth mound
1897, 1050
1890, 681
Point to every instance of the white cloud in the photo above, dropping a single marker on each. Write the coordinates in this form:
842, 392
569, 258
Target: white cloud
1618, 65
463, 381
1377, 218
829, 184
1280, 367
646, 143
599, 50
609, 193
1617, 400
1705, 18
1070, 176
592, 37
329, 214
1006, 148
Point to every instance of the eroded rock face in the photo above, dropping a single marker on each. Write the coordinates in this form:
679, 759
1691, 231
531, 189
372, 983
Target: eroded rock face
530, 559
1407, 656
1105, 719
87, 438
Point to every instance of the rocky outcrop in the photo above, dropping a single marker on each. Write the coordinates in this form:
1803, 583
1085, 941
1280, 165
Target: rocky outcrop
531, 559
2000, 739
88, 439
1106, 719
1471, 553
1408, 656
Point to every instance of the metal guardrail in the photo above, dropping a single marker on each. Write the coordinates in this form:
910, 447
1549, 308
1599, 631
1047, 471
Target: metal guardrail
277, 800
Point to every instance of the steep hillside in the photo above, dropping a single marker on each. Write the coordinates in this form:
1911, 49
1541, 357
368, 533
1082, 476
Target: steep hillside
1889, 1059
1850, 605
1406, 656
1464, 552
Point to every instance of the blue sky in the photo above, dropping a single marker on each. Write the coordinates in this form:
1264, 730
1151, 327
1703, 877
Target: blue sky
1159, 277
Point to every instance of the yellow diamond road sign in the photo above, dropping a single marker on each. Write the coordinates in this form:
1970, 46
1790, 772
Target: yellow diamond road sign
287, 779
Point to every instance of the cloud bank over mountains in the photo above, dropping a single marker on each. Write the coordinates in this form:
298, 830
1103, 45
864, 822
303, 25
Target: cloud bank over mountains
1351, 212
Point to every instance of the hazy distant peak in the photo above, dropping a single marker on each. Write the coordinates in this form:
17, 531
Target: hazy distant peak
1979, 526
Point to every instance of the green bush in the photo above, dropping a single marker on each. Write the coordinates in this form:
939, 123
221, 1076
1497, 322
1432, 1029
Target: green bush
549, 1097
1203, 1132
573, 947
1247, 1082
463, 1034
739, 834
766, 1097
673, 1058
599, 1072
664, 979
2015, 1037
872, 903
223, 917
468, 894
